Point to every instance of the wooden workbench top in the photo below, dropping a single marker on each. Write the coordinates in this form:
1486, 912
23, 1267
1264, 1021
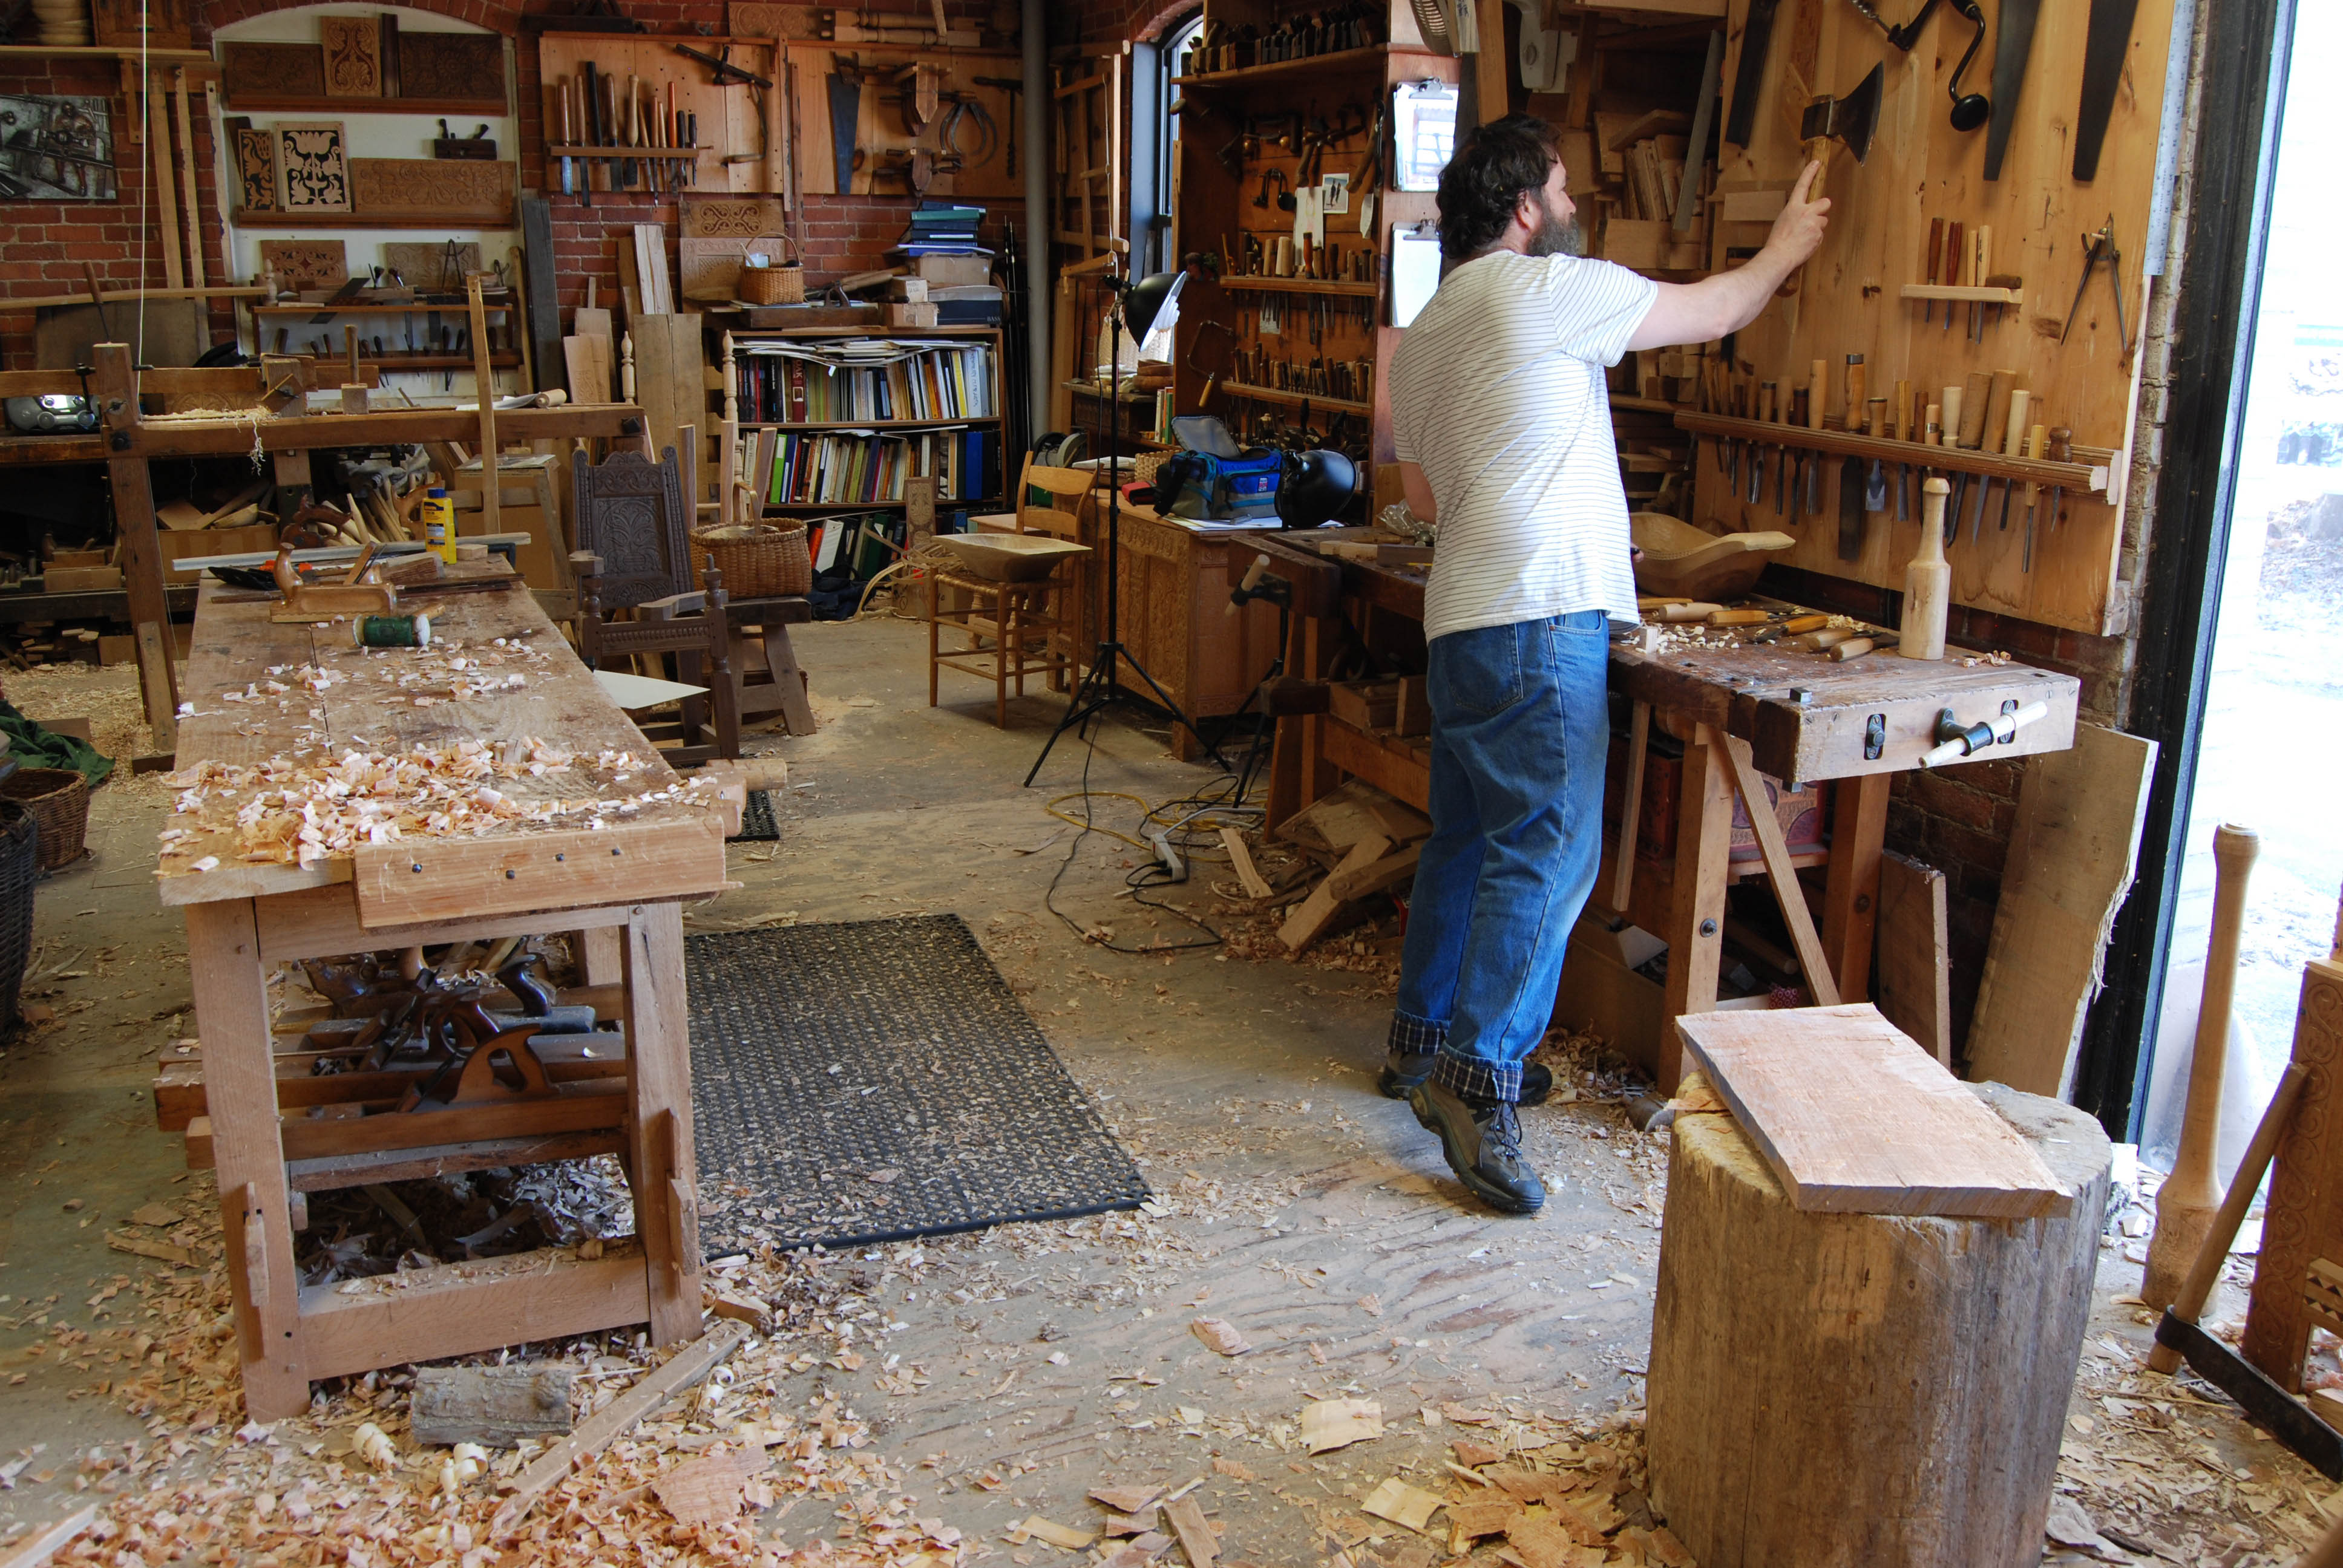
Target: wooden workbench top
570, 805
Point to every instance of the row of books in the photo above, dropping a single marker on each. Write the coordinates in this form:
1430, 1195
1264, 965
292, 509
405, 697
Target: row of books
860, 546
819, 385
806, 468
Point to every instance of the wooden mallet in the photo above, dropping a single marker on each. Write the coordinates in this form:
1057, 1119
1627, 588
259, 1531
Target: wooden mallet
2185, 1204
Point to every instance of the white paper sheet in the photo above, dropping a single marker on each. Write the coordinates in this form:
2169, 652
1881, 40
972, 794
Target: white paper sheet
1415, 271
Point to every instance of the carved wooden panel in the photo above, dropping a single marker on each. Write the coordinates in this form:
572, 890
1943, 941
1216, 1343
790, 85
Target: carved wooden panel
157, 24
732, 216
255, 150
353, 50
444, 191
427, 265
709, 269
272, 70
313, 171
630, 512
452, 66
302, 264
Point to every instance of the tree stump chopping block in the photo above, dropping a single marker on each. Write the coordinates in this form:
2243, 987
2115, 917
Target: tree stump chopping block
1864, 1391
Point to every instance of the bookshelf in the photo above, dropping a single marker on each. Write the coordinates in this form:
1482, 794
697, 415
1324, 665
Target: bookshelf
821, 423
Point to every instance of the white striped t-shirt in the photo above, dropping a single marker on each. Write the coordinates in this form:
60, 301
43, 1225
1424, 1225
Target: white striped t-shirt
1497, 394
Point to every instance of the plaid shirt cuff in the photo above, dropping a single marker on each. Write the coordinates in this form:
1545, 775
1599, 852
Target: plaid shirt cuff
1477, 1078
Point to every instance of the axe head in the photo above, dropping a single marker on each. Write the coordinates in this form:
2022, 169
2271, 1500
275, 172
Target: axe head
1851, 120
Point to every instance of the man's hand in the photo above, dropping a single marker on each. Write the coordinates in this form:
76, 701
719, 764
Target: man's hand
1798, 228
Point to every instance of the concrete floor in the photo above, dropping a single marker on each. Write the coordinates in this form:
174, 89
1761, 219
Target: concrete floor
1013, 1371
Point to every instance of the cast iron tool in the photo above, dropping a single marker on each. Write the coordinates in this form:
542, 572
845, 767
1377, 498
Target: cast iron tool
1851, 120
1970, 110
1850, 510
2104, 48
2098, 247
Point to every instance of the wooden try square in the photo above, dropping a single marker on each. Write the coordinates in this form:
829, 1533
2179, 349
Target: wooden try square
313, 171
353, 47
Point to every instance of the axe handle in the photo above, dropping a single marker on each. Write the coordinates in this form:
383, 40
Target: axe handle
2206, 1269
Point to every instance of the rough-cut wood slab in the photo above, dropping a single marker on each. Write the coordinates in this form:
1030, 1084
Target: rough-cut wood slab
493, 1406
1855, 1118
2072, 853
1912, 984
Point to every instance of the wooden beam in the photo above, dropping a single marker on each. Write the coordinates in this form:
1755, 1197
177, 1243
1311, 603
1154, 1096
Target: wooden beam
1788, 892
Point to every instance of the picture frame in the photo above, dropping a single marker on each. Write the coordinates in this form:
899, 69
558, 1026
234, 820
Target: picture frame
313, 169
60, 149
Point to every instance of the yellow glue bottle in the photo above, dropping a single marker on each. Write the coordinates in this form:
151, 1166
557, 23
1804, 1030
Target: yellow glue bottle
439, 524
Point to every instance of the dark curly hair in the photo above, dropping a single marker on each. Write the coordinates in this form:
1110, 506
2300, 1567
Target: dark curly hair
1494, 164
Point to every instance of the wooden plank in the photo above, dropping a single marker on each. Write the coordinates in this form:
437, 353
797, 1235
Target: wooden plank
1916, 987
1241, 858
1788, 892
614, 1420
1389, 769
332, 1172
378, 428
180, 1098
591, 1105
2303, 1221
41, 1544
2072, 854
1630, 807
1855, 1118
457, 1309
322, 922
423, 880
1315, 913
232, 1007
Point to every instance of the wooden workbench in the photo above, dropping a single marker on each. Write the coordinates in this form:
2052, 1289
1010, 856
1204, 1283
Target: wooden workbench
1793, 715
618, 885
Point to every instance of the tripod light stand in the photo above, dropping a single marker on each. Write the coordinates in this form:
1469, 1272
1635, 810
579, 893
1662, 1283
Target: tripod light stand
1136, 305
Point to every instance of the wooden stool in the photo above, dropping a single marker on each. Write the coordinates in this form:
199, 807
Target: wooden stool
1009, 628
1864, 1390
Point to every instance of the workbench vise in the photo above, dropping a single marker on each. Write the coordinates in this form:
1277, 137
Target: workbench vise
1957, 741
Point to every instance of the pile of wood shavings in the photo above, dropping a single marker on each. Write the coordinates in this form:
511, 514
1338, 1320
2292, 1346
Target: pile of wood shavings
309, 807
319, 1488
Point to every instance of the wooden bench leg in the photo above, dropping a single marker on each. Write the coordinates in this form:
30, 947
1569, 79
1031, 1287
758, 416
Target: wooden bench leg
240, 1096
1851, 889
782, 660
1697, 917
659, 1120
598, 952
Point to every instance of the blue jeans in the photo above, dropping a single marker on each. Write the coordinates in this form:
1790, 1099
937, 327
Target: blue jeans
1520, 732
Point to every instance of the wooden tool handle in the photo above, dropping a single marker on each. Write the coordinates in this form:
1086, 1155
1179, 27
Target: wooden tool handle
1739, 618
1935, 247
1858, 387
2062, 443
2206, 1269
1994, 437
1874, 423
2014, 443
282, 570
1688, 610
1817, 393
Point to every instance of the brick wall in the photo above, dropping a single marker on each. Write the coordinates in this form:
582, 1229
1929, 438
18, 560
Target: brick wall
42, 245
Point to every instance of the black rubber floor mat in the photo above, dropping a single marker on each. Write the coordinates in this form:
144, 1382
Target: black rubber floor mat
757, 818
876, 1079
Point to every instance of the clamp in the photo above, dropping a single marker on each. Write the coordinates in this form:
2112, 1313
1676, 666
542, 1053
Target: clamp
1957, 741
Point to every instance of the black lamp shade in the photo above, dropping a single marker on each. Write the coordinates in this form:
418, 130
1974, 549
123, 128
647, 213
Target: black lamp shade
1314, 487
1144, 301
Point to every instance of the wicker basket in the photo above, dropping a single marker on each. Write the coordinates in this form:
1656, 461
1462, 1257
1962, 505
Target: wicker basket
19, 869
759, 560
58, 801
782, 283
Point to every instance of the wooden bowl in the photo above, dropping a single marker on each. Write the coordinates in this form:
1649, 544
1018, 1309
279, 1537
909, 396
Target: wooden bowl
1010, 557
1680, 561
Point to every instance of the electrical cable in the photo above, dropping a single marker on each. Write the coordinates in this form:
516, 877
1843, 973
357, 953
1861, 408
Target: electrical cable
1137, 882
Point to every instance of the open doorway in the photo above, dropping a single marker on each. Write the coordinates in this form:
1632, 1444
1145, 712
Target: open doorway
2272, 729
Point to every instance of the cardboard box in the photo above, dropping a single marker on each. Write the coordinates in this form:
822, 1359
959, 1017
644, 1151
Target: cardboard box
910, 315
950, 271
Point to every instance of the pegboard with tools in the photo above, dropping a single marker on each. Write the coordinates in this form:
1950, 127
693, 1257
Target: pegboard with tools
654, 117
872, 119
1986, 332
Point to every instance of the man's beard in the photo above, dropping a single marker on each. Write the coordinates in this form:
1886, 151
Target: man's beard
1556, 235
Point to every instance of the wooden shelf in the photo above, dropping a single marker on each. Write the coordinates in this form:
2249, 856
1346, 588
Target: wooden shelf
961, 422
941, 502
277, 102
456, 308
892, 335
106, 51
446, 222
390, 362
2081, 477
1338, 60
1093, 389
1302, 285
1295, 399
1968, 293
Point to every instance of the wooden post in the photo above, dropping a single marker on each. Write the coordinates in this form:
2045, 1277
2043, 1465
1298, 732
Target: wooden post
141, 551
484, 372
727, 472
193, 222
1858, 1391
658, 1120
164, 178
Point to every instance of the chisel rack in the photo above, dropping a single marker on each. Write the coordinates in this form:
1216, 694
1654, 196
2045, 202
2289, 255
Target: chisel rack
743, 138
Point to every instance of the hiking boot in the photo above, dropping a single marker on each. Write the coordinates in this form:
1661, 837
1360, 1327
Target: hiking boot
1482, 1142
1403, 1072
